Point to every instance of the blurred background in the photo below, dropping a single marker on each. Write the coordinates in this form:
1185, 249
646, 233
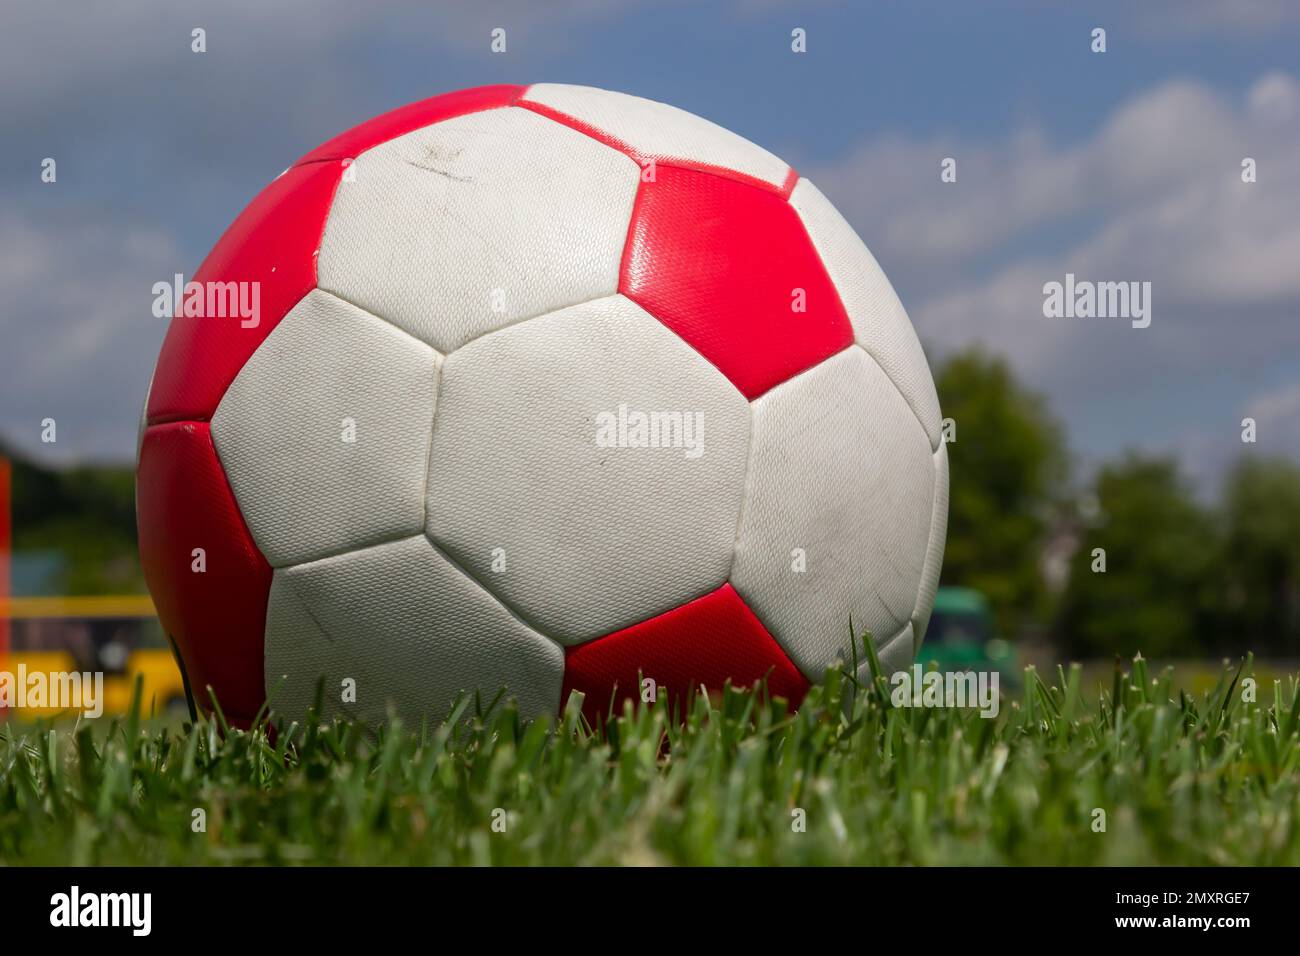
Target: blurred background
1072, 435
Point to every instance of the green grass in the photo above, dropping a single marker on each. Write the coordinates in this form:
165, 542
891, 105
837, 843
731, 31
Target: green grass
1207, 781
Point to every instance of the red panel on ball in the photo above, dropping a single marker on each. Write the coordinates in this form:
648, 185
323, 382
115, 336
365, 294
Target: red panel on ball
411, 117
217, 616
273, 243
643, 159
703, 643
720, 262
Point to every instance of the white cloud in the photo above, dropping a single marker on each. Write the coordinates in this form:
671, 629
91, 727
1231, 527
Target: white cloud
1177, 135
1155, 194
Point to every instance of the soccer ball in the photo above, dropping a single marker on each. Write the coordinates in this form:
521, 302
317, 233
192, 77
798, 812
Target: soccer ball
540, 388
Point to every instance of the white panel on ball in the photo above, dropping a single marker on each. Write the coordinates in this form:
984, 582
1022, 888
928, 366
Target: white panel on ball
895, 653
841, 470
658, 130
408, 628
934, 551
324, 433
579, 537
880, 325
476, 222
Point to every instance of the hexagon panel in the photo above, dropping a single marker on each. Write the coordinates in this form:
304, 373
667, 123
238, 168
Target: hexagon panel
324, 434
408, 629
838, 510
587, 466
503, 215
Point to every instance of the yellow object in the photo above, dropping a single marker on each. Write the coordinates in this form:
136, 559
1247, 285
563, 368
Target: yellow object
116, 636
114, 606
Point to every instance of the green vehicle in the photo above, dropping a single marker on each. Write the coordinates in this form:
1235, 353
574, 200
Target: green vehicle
961, 636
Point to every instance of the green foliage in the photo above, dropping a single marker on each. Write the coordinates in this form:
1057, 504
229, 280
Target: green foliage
1182, 578
87, 515
1181, 781
1261, 518
1163, 574
1008, 467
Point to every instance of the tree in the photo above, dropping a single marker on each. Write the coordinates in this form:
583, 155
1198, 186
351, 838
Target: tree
1160, 589
1008, 466
1261, 517
85, 514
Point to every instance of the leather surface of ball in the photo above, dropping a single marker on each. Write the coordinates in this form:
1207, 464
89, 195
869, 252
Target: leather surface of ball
549, 388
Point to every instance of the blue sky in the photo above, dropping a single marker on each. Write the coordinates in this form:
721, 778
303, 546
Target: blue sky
1118, 166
